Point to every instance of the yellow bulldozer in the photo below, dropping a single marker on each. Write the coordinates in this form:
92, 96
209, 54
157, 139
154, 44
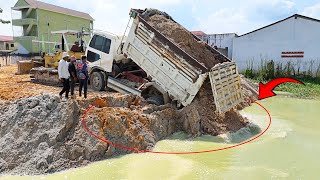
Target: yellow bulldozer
48, 74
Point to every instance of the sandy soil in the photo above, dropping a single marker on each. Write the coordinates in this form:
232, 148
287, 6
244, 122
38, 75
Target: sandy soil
13, 87
185, 40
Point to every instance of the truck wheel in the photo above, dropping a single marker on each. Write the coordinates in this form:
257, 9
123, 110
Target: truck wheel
156, 100
97, 81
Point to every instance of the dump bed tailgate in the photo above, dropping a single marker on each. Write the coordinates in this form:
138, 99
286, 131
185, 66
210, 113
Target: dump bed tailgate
226, 86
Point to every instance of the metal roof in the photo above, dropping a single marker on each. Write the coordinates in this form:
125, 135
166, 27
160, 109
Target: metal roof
295, 16
58, 9
6, 38
198, 33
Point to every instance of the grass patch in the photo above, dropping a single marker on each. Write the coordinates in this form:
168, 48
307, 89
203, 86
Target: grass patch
269, 70
310, 90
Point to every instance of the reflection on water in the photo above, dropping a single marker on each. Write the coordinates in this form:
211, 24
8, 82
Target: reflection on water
288, 150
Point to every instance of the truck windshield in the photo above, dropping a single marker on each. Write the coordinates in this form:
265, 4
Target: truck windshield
100, 43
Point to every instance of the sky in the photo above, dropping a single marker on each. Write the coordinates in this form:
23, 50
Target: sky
209, 16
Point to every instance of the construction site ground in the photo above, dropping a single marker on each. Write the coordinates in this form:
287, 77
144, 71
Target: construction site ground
13, 87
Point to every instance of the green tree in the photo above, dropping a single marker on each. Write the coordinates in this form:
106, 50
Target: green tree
3, 21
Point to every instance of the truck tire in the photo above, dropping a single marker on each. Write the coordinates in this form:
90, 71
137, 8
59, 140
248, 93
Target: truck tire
97, 81
156, 100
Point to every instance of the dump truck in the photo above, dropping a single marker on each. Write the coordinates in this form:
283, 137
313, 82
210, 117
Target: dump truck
149, 64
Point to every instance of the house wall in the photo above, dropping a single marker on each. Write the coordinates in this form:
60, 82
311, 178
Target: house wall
51, 21
2, 46
292, 35
8, 46
47, 21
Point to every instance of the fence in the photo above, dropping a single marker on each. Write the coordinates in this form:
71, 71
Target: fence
8, 59
269, 69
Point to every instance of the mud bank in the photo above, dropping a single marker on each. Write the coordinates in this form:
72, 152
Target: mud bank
43, 134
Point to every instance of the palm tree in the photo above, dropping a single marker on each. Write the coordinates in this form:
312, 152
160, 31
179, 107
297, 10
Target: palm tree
3, 21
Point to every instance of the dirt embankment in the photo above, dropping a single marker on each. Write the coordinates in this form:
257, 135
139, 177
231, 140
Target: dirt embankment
39, 133
42, 134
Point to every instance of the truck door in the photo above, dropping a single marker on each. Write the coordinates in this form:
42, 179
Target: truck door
226, 86
99, 52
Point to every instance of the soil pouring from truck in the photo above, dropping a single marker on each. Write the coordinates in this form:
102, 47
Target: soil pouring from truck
149, 64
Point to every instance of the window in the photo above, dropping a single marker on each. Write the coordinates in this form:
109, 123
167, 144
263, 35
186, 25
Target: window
92, 57
100, 43
12, 45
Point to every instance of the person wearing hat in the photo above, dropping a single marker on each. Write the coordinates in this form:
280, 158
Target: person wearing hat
73, 74
64, 74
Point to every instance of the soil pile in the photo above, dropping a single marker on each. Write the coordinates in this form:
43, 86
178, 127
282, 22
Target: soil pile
130, 121
42, 134
31, 130
200, 116
184, 39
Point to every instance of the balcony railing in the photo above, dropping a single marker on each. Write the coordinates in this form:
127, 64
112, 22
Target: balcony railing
25, 21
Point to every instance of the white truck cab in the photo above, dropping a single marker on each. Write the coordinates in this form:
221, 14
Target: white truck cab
101, 52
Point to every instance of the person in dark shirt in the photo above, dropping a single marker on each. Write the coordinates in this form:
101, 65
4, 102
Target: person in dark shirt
73, 75
83, 76
76, 47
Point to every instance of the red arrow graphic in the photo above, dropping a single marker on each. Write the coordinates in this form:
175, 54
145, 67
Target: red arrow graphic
266, 90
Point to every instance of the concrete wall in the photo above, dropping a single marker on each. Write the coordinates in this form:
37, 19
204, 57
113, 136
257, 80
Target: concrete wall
292, 35
222, 41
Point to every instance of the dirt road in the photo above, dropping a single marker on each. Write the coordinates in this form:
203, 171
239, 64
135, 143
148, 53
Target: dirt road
13, 87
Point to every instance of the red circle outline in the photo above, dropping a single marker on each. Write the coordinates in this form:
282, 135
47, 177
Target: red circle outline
161, 152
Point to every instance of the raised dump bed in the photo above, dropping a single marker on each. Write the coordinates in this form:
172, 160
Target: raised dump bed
178, 62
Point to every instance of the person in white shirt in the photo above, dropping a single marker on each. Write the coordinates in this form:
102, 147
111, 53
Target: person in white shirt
64, 74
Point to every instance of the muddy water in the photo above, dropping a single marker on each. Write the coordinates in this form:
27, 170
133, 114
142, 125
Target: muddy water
289, 150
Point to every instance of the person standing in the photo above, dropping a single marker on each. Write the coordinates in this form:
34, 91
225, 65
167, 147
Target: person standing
73, 75
83, 76
64, 74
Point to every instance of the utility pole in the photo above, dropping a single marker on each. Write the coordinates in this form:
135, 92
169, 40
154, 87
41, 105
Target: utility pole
3, 21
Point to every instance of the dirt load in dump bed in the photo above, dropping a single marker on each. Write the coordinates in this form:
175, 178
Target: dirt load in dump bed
183, 38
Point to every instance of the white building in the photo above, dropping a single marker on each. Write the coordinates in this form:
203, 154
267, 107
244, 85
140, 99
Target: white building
223, 42
295, 39
6, 43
